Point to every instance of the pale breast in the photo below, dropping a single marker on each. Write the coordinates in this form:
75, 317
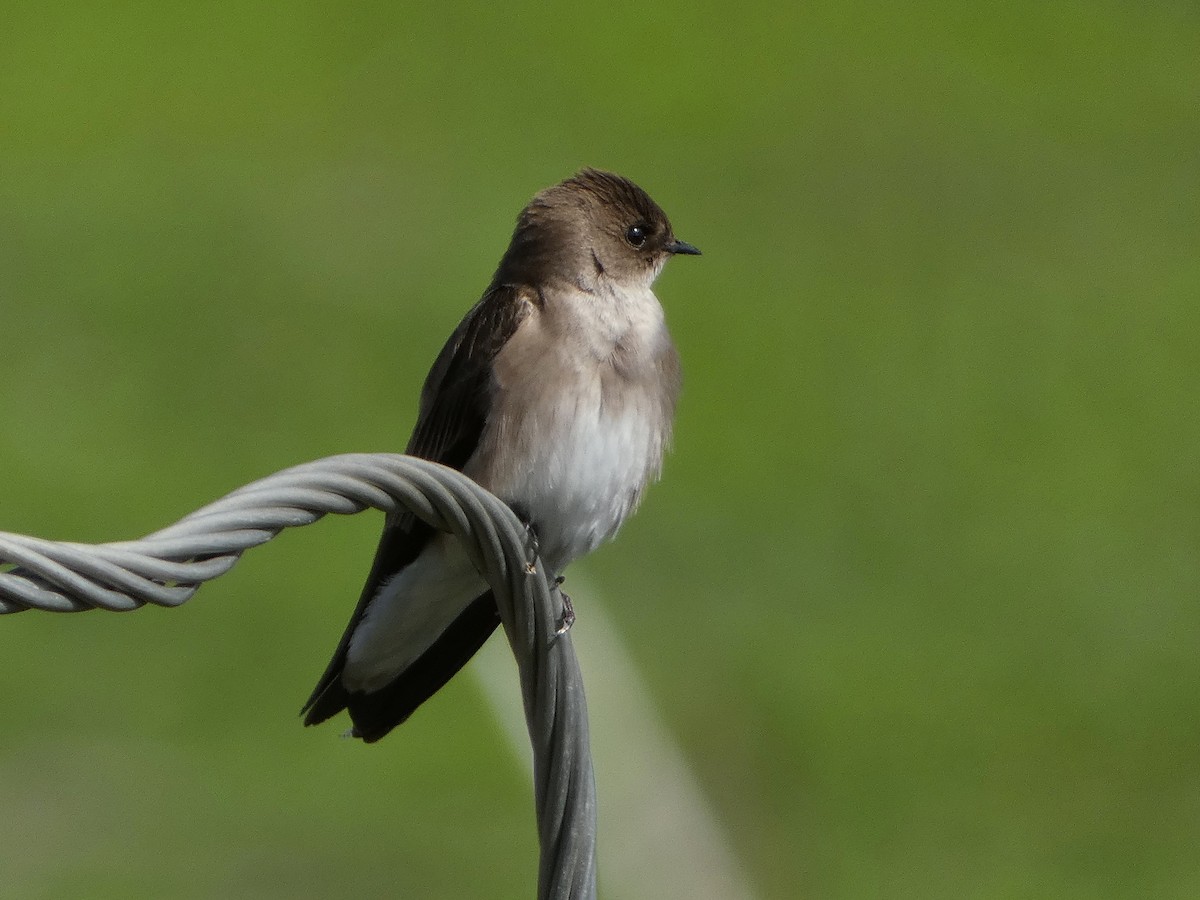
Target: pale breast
580, 420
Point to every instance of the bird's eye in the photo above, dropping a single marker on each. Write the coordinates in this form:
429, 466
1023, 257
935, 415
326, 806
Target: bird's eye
636, 235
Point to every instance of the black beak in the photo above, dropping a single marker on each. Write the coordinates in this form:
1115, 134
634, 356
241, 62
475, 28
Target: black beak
682, 247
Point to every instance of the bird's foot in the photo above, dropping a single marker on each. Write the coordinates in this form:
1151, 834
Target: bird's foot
568, 614
531, 548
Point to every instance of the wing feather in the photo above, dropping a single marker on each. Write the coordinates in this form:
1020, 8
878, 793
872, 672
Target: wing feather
452, 414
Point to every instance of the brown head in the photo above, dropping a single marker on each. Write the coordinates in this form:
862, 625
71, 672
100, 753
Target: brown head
593, 226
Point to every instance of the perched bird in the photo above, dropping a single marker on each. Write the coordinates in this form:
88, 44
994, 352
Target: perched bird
557, 393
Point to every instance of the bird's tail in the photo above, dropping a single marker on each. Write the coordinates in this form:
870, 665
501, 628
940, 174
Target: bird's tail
376, 713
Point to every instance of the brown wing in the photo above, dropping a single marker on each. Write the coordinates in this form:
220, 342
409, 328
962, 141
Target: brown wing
455, 397
451, 418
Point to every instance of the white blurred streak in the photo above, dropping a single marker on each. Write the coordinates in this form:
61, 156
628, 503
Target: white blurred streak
659, 837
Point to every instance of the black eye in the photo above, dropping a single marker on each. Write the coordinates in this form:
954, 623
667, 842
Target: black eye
637, 234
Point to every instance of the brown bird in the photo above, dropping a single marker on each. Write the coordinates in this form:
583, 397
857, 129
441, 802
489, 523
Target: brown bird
557, 393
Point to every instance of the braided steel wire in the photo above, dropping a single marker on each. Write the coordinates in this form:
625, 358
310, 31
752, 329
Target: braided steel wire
167, 567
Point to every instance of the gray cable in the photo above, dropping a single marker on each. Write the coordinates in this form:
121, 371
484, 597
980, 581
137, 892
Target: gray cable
167, 567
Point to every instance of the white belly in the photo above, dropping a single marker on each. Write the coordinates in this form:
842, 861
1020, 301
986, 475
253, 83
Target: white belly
584, 477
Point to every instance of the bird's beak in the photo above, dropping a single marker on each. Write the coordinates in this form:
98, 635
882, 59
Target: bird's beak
682, 247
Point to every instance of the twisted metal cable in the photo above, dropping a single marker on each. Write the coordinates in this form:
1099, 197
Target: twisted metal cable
167, 567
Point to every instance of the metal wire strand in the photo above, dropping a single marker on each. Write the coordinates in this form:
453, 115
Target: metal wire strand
167, 567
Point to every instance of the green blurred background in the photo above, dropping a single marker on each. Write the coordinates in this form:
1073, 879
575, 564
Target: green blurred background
918, 593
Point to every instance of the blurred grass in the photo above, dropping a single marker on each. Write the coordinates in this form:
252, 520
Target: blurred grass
918, 592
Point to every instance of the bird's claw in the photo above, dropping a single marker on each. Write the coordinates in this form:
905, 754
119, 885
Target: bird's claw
568, 613
531, 549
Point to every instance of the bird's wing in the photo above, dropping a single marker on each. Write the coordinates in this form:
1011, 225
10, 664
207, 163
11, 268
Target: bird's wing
453, 412
456, 395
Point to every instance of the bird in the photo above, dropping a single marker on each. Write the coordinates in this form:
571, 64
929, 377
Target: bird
557, 392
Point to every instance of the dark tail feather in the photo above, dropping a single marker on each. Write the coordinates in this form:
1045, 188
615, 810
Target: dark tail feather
377, 713
329, 699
